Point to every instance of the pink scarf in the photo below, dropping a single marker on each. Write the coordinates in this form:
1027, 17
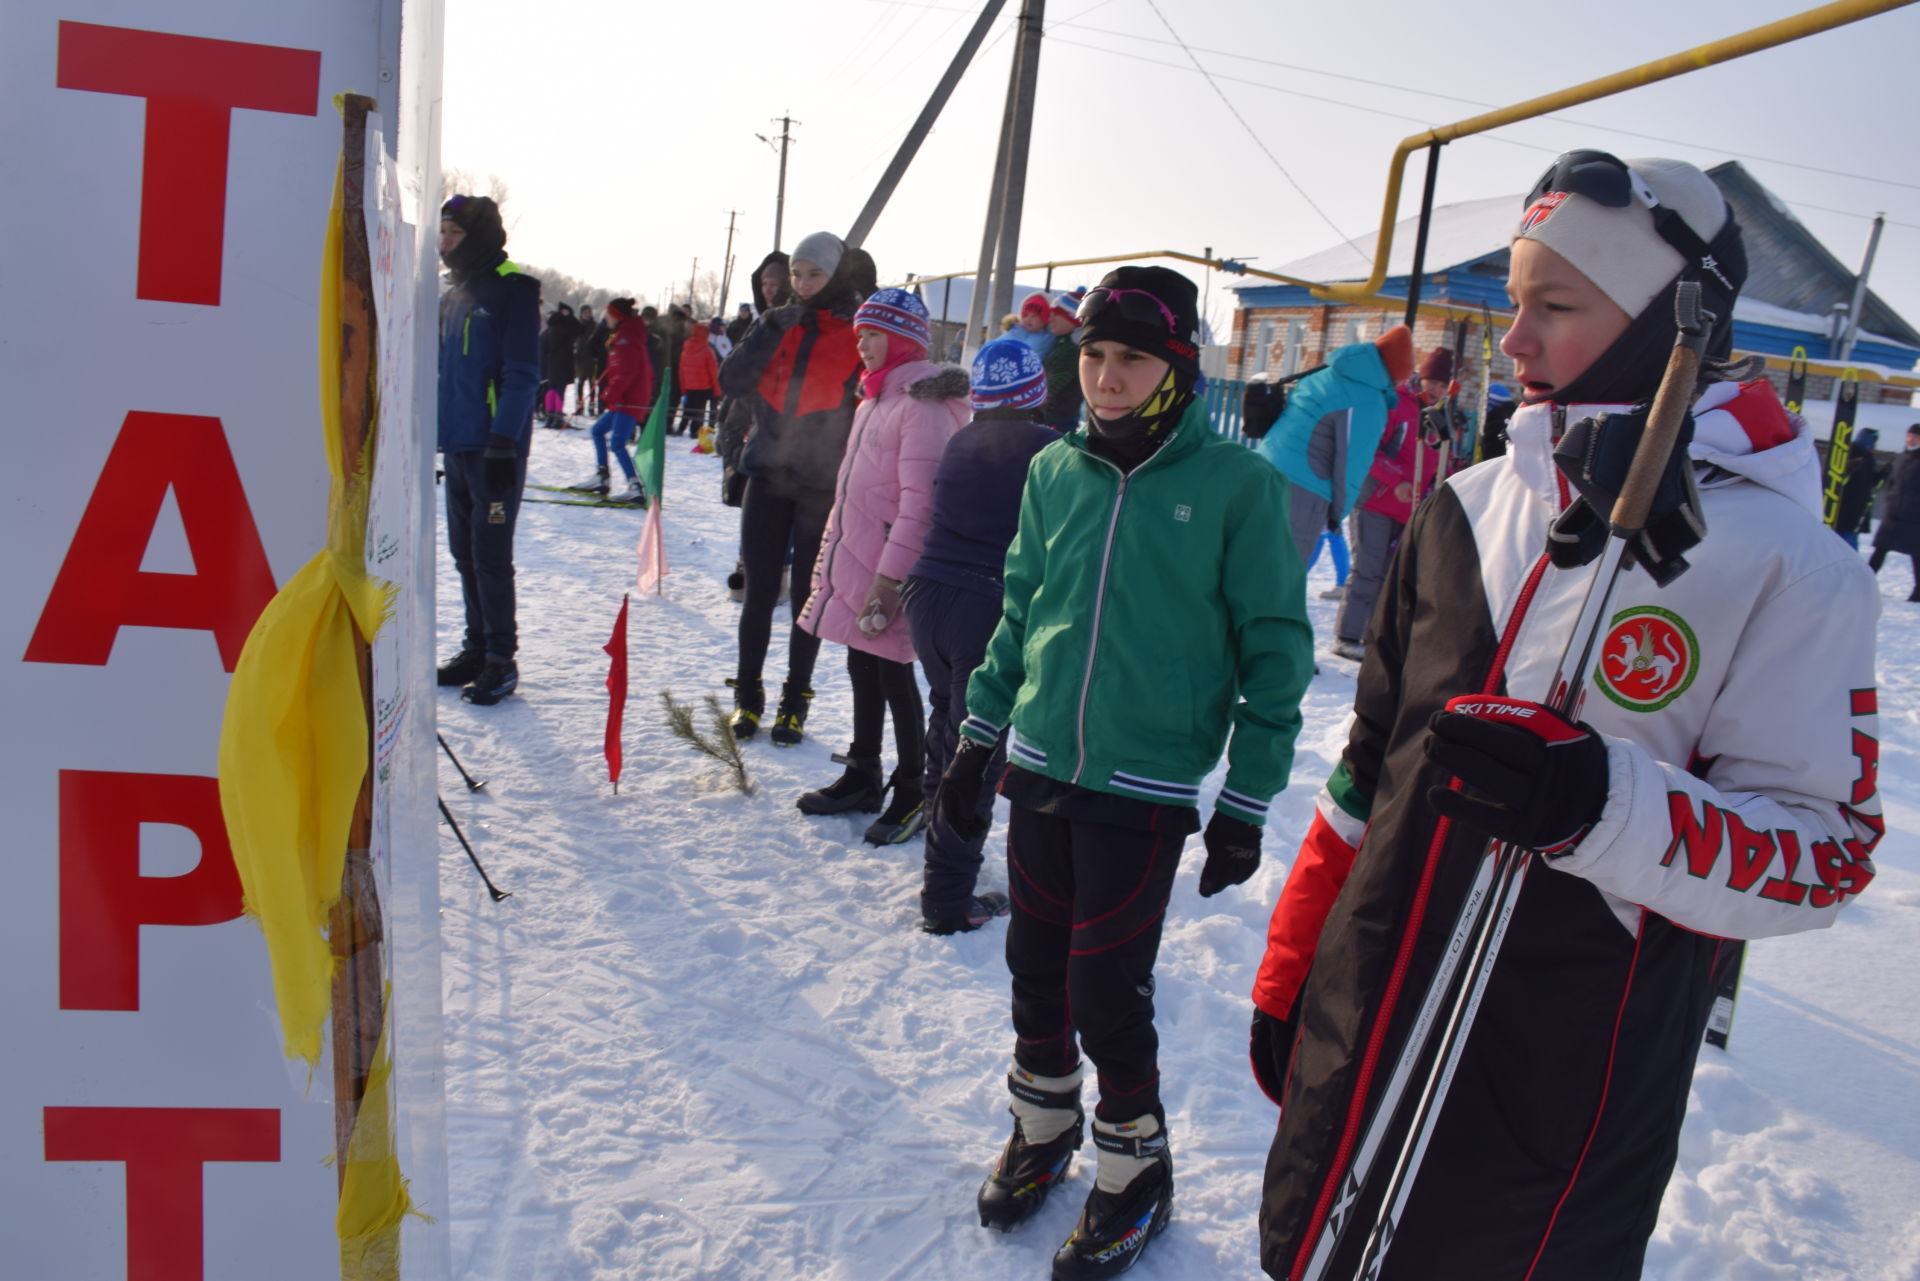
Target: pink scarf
900, 350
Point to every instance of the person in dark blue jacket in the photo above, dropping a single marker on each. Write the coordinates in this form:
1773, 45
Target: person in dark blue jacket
953, 599
489, 369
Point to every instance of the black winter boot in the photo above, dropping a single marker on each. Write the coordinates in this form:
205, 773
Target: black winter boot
462, 667
904, 816
789, 726
748, 702
499, 678
857, 789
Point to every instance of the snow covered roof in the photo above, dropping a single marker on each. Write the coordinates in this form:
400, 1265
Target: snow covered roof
1461, 233
1756, 312
1891, 421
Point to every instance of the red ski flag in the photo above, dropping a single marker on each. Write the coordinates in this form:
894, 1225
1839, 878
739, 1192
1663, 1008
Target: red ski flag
616, 648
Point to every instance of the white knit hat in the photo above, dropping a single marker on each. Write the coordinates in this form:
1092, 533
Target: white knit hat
1618, 249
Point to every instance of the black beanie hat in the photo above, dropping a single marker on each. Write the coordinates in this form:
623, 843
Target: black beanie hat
1124, 320
479, 217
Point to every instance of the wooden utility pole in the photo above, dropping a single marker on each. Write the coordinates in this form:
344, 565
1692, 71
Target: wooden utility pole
786, 123
726, 264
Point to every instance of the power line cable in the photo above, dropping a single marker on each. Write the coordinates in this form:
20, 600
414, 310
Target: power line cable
1257, 140
1416, 120
1468, 102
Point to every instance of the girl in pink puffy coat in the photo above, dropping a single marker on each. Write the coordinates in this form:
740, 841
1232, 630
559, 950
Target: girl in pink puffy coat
882, 500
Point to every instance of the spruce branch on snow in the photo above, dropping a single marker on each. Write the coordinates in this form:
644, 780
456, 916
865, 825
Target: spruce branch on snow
720, 744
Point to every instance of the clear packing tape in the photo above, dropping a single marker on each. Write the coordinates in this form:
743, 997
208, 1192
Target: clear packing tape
293, 755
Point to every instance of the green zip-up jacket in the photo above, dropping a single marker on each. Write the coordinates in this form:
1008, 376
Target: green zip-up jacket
1144, 615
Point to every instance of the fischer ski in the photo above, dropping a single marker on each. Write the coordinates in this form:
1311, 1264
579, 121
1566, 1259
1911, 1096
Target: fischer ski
1796, 380
1846, 403
639, 506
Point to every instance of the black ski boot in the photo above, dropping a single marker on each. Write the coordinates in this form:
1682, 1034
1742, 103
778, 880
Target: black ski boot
1115, 1228
748, 702
980, 909
462, 667
856, 789
496, 680
789, 726
904, 816
1027, 1169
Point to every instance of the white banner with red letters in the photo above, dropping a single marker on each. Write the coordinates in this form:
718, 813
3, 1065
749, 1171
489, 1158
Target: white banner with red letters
167, 168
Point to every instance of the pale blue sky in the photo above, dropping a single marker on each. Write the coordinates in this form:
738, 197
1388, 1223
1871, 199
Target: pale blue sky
626, 130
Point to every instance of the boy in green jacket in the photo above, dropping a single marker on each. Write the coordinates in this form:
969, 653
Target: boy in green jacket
1150, 606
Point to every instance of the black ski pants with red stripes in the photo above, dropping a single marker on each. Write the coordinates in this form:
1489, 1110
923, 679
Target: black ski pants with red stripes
1089, 899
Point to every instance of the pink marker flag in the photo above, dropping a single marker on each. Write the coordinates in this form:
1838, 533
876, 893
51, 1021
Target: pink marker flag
616, 648
650, 461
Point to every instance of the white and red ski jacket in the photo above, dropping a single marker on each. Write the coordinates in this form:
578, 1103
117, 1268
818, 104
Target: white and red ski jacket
1738, 702
1737, 705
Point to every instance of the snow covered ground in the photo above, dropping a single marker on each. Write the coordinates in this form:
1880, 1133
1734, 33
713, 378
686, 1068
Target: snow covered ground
705, 1039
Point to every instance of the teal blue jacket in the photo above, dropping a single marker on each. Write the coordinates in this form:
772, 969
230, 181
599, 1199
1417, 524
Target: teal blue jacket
1145, 615
1336, 413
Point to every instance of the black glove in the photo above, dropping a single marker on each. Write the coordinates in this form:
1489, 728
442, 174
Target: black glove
1269, 1048
1595, 456
1233, 852
958, 802
1530, 778
501, 465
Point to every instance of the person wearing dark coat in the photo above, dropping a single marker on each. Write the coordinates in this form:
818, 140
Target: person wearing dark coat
589, 359
799, 366
489, 367
953, 602
769, 285
556, 361
1851, 513
1900, 528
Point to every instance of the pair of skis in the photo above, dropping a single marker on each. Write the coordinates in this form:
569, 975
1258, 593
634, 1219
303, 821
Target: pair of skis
1437, 1039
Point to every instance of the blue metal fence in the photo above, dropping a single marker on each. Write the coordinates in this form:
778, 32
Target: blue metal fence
1222, 399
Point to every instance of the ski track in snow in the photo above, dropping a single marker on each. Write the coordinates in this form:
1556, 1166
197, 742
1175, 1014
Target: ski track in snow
705, 1038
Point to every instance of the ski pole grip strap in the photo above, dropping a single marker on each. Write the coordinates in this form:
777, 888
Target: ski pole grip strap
1670, 405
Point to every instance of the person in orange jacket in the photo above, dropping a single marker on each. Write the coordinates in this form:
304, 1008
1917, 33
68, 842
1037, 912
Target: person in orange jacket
699, 380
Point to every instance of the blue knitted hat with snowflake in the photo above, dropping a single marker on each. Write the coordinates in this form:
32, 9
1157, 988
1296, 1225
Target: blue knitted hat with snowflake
897, 312
1007, 374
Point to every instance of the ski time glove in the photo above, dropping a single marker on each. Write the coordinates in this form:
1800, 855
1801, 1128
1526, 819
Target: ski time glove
958, 802
1269, 1047
1527, 776
1233, 852
500, 465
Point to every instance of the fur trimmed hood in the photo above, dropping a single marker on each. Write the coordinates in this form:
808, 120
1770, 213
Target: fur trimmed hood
949, 384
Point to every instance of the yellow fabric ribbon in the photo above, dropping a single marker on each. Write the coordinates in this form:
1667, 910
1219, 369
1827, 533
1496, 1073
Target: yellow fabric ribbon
293, 754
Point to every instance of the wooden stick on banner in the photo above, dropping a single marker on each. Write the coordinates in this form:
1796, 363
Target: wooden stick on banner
355, 930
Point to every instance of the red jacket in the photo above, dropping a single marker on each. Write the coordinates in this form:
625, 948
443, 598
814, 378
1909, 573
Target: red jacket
699, 371
1393, 463
627, 386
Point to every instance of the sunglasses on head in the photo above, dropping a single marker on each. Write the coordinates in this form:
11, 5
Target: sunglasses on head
1608, 180
1132, 304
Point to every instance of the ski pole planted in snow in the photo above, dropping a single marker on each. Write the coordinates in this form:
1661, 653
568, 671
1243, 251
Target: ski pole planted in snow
492, 889
471, 785
1438, 1035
